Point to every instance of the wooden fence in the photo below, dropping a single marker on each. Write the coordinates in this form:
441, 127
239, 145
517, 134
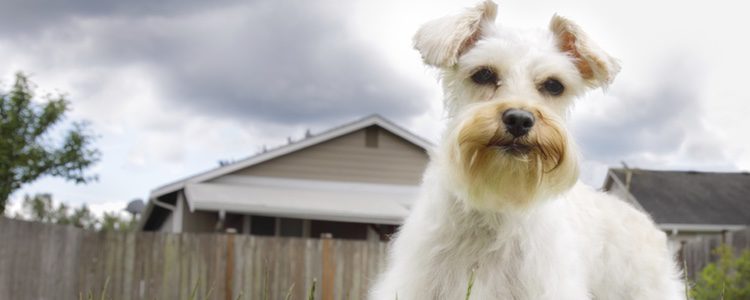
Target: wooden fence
40, 261
699, 252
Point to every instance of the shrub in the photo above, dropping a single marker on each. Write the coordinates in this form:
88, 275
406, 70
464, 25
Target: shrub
728, 278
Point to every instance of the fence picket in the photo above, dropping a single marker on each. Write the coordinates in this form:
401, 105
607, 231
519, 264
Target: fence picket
43, 261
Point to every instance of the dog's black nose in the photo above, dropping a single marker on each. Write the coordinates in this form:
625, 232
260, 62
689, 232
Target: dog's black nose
518, 122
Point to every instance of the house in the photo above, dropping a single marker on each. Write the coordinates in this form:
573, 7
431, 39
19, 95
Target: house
355, 181
685, 204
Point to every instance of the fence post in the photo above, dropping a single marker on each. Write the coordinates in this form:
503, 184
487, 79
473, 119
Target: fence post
329, 267
229, 276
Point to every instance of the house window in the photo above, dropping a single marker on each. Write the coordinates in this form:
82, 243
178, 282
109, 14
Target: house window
291, 227
371, 137
339, 230
260, 225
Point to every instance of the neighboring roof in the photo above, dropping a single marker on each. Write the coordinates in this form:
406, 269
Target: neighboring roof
311, 141
345, 203
198, 200
688, 197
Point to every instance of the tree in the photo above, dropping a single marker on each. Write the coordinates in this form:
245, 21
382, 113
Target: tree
83, 218
114, 222
728, 278
27, 151
40, 208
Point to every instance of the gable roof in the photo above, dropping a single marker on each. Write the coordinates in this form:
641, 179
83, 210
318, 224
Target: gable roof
391, 214
296, 146
688, 197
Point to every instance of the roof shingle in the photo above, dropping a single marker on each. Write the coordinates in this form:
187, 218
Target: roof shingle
679, 197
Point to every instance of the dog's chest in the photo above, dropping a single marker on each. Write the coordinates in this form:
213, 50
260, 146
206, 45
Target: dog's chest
528, 262
496, 270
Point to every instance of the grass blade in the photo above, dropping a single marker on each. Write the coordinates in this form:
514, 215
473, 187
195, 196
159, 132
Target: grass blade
289, 293
194, 292
266, 285
471, 282
687, 282
104, 290
210, 290
311, 296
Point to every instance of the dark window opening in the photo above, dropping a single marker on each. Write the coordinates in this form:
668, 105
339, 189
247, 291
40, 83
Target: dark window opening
233, 221
291, 227
371, 137
260, 225
339, 230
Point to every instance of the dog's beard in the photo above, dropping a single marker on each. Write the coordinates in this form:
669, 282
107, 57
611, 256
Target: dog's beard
500, 172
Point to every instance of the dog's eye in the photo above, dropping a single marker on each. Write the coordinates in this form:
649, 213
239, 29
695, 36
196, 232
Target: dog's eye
484, 76
553, 87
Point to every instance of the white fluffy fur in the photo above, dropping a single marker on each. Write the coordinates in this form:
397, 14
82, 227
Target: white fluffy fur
570, 242
582, 245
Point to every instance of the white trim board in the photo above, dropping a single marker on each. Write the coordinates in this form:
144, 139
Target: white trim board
303, 203
701, 227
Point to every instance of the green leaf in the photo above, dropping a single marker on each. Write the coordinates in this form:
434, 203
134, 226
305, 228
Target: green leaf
727, 278
31, 145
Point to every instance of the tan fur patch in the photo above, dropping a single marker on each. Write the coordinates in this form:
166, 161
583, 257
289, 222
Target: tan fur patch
594, 65
512, 178
568, 44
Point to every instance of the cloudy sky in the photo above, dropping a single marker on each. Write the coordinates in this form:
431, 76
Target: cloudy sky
173, 86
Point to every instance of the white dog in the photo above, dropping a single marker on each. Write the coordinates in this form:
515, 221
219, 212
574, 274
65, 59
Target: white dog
500, 201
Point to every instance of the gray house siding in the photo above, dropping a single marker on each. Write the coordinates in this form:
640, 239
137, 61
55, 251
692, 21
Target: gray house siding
391, 160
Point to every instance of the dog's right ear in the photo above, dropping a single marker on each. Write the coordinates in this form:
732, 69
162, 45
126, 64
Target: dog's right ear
442, 41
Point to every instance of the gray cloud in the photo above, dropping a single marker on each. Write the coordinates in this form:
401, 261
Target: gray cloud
28, 17
294, 63
651, 123
660, 126
291, 62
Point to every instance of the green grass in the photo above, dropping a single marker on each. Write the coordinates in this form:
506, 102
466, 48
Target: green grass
90, 295
310, 294
194, 292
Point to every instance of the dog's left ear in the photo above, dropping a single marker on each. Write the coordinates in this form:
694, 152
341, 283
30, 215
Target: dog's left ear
441, 42
596, 66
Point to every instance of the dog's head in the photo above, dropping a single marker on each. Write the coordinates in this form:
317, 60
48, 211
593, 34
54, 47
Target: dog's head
507, 94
